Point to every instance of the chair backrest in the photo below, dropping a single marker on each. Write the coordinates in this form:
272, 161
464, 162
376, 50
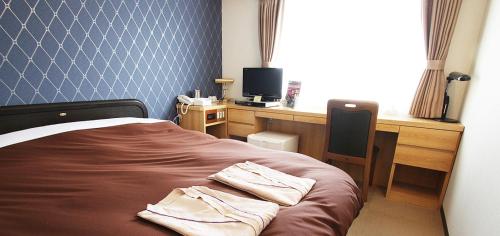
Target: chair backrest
350, 130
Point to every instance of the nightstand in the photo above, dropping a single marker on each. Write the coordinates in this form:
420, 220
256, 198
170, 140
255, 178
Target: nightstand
206, 119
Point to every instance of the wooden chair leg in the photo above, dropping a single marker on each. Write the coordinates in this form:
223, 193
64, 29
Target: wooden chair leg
368, 171
364, 188
374, 162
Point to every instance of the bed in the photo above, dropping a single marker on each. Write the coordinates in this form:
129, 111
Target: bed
87, 171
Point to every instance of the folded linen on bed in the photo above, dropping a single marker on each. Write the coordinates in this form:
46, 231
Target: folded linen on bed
265, 182
200, 210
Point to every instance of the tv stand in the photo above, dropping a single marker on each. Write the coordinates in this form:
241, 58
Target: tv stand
257, 104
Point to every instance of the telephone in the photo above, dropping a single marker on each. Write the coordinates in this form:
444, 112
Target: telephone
185, 99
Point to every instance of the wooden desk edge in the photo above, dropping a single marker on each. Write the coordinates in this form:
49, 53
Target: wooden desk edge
203, 108
382, 119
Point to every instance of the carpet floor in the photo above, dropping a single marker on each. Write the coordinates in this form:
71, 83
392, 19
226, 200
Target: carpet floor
382, 217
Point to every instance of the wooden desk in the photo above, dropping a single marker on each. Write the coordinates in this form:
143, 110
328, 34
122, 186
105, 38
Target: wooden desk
419, 153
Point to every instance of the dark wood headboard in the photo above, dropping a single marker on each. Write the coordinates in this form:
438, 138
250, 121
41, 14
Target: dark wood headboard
13, 118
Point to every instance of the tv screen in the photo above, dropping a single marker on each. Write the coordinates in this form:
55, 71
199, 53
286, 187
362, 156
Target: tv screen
265, 82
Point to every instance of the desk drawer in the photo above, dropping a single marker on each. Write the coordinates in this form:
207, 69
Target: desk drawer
424, 157
241, 116
310, 119
238, 129
273, 115
388, 128
431, 138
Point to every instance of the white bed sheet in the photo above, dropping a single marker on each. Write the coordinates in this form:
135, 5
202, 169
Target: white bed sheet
43, 131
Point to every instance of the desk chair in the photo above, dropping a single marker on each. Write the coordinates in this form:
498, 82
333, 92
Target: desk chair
350, 134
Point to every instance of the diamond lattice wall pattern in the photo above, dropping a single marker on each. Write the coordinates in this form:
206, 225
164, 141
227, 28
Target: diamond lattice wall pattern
82, 50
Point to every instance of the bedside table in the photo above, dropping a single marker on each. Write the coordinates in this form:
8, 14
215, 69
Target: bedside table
206, 119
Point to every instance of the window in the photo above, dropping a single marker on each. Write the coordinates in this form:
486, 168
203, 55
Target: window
364, 49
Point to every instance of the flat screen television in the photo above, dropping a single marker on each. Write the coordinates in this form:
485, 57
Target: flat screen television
265, 82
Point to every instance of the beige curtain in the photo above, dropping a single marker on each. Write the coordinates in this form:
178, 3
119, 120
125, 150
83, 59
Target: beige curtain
270, 15
439, 19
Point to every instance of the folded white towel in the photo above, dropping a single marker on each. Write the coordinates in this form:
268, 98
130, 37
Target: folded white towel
265, 182
200, 210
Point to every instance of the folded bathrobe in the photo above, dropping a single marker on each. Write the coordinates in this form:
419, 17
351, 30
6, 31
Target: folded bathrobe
200, 210
266, 183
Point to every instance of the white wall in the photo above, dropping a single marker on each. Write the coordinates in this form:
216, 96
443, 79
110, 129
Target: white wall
240, 40
472, 203
463, 46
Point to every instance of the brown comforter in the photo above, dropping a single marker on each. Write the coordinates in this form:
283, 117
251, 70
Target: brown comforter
93, 182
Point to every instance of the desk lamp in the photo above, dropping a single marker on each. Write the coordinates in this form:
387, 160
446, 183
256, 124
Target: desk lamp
225, 83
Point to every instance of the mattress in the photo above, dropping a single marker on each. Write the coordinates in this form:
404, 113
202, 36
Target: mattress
94, 180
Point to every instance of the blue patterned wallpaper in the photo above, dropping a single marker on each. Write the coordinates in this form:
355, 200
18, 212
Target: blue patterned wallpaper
81, 50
